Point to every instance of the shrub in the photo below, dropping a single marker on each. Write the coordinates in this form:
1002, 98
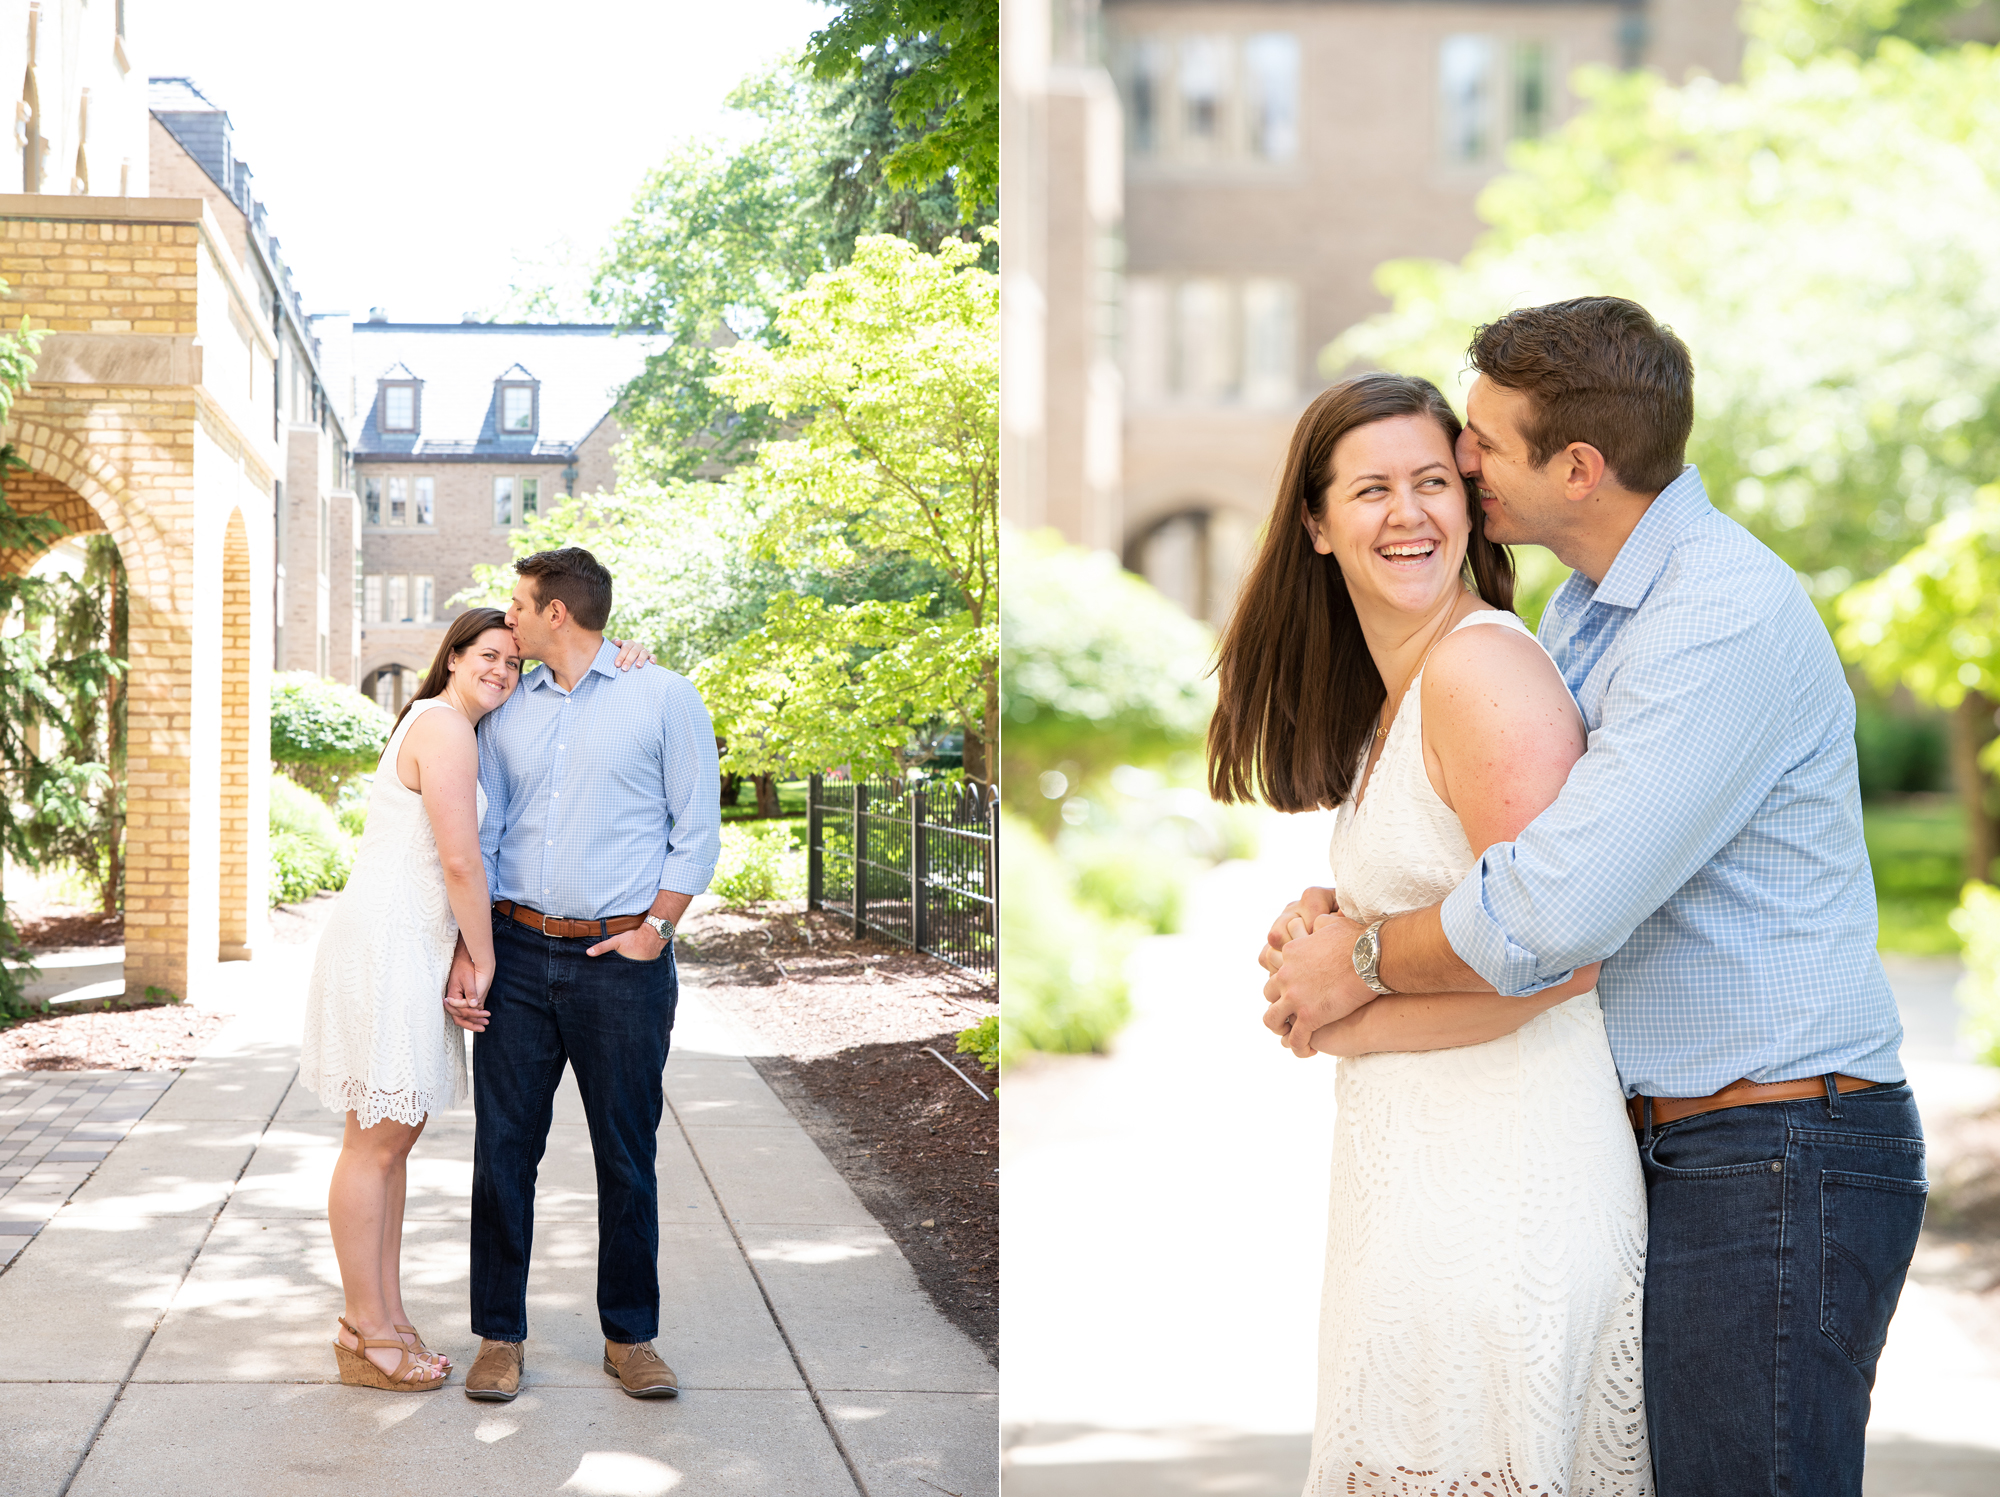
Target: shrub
322, 733
1977, 921
759, 862
1063, 984
309, 852
982, 1042
1897, 753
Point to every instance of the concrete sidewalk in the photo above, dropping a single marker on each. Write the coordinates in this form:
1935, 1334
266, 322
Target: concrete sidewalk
168, 1331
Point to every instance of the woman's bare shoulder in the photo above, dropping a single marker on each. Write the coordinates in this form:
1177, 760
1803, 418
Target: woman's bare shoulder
441, 728
1493, 670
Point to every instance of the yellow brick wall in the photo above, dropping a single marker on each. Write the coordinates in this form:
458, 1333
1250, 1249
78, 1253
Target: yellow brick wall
101, 277
32, 494
233, 937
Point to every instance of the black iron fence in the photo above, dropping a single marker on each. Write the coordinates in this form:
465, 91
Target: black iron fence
910, 861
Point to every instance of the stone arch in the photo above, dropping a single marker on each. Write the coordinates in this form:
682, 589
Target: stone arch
234, 881
91, 479
398, 696
1195, 552
31, 493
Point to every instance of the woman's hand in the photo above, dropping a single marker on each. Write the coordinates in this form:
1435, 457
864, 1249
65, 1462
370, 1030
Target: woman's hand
631, 653
1306, 909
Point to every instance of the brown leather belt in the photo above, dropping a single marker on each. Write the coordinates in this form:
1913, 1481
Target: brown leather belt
571, 930
1738, 1094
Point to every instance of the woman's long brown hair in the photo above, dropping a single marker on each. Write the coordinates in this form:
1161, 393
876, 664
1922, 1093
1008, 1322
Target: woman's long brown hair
464, 629
1299, 691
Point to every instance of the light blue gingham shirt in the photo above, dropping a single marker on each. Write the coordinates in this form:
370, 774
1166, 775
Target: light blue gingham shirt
1707, 848
600, 796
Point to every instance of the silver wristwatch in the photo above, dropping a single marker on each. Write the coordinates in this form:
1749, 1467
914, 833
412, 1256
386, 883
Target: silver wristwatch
1368, 958
662, 927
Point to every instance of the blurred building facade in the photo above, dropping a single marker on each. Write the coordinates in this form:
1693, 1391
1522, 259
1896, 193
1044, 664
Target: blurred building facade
1269, 157
464, 432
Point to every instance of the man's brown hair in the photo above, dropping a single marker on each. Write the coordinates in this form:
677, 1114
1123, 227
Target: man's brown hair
573, 575
1597, 370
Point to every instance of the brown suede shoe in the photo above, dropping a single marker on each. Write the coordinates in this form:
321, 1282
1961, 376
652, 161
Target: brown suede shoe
496, 1372
639, 1370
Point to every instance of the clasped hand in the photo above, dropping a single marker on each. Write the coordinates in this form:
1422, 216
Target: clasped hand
465, 987
1310, 956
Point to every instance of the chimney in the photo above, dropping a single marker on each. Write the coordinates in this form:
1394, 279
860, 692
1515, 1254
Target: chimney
377, 314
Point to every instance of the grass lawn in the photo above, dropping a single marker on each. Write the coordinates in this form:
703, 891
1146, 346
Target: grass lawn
1917, 847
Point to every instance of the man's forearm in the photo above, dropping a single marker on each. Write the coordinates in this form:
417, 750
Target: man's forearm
1417, 957
670, 905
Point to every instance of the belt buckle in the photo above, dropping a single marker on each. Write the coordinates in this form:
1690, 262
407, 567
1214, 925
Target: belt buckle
545, 920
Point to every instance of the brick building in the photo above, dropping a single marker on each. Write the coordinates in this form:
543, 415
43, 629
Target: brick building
316, 622
463, 432
1205, 188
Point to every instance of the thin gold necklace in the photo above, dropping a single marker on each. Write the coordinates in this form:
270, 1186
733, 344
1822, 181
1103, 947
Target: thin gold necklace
1381, 727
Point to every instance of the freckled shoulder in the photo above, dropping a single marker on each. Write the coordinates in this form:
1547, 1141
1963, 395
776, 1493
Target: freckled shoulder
1487, 668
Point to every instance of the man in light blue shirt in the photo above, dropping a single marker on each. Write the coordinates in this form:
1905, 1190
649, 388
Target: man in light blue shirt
1707, 849
603, 820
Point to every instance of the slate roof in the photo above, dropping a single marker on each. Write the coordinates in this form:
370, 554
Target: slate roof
580, 367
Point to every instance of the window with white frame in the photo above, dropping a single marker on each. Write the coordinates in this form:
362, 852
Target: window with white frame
371, 600
1270, 342
399, 407
426, 505
517, 410
425, 589
325, 548
371, 500
1212, 97
1490, 92
503, 501
399, 600
399, 501
1204, 337
531, 498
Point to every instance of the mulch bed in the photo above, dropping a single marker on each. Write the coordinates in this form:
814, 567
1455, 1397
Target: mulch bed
853, 1018
67, 929
1960, 1247
162, 1038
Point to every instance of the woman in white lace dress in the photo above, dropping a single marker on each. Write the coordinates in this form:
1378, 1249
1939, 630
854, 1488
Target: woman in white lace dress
1480, 1310
378, 1046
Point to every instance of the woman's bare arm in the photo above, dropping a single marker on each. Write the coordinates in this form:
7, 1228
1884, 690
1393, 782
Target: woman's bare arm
1440, 1021
444, 754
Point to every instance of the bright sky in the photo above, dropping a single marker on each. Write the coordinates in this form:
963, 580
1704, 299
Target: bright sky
410, 152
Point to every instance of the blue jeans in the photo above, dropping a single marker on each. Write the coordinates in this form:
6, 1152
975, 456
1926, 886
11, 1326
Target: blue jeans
1779, 1237
610, 1018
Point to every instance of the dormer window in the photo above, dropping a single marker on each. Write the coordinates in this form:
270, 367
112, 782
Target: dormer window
399, 405
520, 413
517, 410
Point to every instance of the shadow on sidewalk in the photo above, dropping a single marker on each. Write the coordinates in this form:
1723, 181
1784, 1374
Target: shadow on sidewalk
1073, 1460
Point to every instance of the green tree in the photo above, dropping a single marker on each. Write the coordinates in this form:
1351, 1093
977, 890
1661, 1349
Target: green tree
718, 236
948, 88
1931, 622
1803, 29
1097, 670
1825, 237
890, 368
323, 734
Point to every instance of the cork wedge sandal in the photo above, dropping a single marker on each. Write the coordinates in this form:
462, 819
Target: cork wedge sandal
424, 1353
357, 1371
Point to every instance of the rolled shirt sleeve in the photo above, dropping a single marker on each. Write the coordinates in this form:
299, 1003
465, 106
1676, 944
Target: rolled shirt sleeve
1694, 734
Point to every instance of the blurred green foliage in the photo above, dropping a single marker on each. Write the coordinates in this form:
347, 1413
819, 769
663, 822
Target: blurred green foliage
309, 851
760, 861
323, 734
1916, 850
1977, 921
1803, 29
1897, 753
1098, 669
1063, 987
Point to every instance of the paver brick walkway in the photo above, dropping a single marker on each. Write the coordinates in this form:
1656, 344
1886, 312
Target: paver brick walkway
59, 1126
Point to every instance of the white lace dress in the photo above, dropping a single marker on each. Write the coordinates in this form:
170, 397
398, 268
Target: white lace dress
377, 1042
1480, 1320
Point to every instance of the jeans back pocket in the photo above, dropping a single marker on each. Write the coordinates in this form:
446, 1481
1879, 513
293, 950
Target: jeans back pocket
1868, 1231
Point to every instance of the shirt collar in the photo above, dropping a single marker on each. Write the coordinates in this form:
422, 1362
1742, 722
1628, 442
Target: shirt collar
1644, 555
605, 664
